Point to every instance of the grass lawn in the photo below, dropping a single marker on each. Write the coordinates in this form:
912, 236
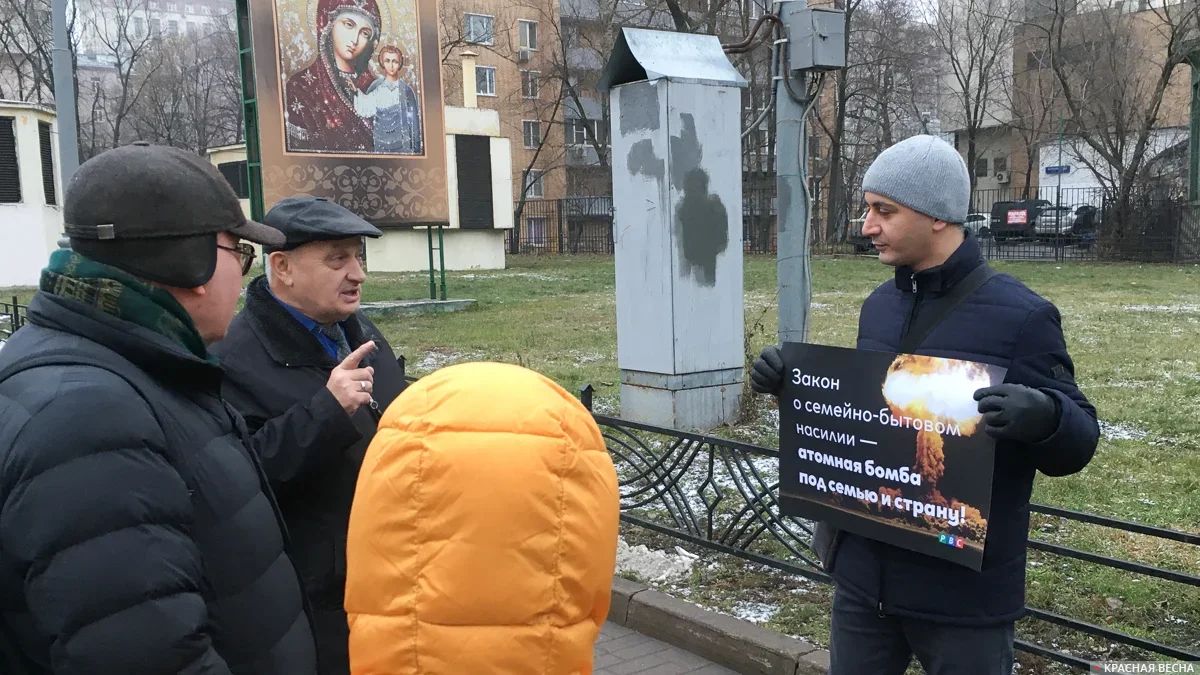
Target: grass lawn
1133, 331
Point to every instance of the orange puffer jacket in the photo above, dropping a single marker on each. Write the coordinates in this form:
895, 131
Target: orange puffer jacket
484, 530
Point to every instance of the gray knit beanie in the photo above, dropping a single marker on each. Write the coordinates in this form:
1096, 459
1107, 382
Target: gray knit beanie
925, 174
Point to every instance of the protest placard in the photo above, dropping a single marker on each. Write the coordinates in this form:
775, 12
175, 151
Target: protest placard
888, 446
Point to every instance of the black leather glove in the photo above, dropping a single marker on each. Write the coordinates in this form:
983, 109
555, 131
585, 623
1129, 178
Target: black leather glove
1014, 412
766, 375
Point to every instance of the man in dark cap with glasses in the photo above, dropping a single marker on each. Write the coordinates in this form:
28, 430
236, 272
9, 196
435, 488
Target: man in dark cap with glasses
312, 376
138, 533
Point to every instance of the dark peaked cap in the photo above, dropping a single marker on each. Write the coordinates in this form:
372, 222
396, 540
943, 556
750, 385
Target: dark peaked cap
155, 211
304, 219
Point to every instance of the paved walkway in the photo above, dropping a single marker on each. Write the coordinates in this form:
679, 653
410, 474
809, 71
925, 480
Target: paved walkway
621, 651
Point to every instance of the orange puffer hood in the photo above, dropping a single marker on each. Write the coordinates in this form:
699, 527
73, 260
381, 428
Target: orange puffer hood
484, 530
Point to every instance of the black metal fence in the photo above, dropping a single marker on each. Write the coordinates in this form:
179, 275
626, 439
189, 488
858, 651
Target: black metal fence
1048, 224
723, 495
12, 317
572, 225
1086, 224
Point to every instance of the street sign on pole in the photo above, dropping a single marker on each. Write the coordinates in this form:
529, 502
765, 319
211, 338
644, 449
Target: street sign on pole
1058, 170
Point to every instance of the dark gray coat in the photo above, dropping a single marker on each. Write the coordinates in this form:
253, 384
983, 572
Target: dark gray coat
310, 448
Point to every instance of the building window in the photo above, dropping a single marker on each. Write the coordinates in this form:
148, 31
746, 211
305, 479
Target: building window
528, 34
10, 171
535, 230
155, 27
1000, 164
47, 149
485, 80
139, 26
479, 29
531, 131
529, 83
577, 132
173, 27
981, 166
235, 174
534, 186
570, 37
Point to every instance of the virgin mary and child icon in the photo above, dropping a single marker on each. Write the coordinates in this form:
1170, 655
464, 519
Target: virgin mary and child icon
337, 103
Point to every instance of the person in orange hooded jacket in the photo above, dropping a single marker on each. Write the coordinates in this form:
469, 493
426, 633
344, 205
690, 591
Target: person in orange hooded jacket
483, 532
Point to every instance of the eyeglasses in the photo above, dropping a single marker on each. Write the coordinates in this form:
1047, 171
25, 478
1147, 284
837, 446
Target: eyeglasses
245, 252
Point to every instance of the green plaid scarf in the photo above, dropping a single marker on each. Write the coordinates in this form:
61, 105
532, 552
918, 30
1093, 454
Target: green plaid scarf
116, 293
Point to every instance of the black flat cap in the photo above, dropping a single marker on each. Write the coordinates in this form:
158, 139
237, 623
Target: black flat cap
155, 211
304, 218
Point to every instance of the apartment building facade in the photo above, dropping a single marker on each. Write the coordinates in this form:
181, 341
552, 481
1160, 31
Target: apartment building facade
511, 47
1039, 144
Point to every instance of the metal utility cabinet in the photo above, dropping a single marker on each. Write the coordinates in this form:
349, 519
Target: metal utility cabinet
677, 191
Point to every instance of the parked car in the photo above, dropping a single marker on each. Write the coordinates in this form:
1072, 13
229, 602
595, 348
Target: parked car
1071, 223
1085, 220
1015, 219
1053, 222
855, 236
979, 224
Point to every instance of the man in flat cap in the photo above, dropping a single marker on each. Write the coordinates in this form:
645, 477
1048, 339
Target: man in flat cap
312, 376
138, 534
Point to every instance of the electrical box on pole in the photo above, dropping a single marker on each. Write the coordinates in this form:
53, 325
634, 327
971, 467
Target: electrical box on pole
814, 42
817, 38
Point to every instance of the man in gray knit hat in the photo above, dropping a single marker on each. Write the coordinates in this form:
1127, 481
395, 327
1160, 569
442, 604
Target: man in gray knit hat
891, 603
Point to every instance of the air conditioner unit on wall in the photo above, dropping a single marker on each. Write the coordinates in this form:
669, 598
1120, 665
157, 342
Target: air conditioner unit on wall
1002, 177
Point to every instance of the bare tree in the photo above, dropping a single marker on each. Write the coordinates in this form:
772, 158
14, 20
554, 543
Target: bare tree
1033, 96
883, 95
1113, 70
186, 99
975, 38
699, 16
25, 39
131, 54
589, 30
839, 101
26, 50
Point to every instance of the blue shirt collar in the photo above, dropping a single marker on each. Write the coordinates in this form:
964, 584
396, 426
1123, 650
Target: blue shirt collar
309, 324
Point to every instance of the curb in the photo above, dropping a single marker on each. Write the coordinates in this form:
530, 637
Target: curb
731, 642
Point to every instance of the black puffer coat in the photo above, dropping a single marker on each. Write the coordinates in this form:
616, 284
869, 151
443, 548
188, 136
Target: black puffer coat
138, 534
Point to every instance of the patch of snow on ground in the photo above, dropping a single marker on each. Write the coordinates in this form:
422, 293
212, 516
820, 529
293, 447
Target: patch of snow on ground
1163, 309
652, 565
434, 360
510, 275
1121, 432
607, 405
755, 612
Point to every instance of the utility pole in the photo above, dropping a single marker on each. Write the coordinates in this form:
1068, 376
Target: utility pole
814, 42
64, 100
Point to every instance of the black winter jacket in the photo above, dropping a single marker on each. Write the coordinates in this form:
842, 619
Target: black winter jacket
1002, 323
310, 448
137, 532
